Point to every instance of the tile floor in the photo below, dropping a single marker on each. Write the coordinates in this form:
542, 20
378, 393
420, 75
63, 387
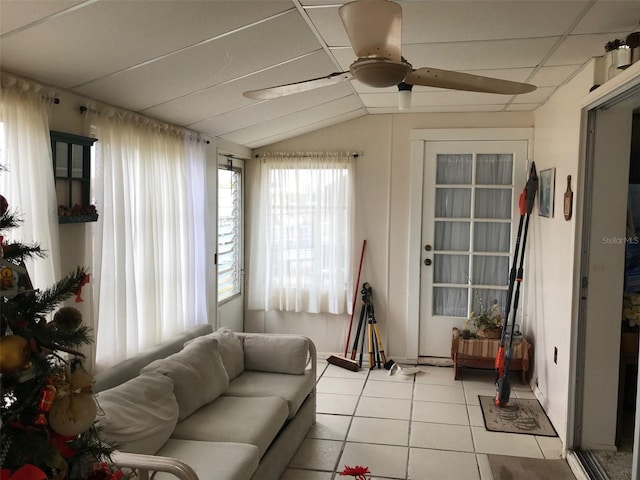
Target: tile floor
426, 426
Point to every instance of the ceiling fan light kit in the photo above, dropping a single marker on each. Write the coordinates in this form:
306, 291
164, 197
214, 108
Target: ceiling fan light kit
404, 96
374, 28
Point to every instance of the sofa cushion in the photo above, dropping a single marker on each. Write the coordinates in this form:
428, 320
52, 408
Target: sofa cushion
140, 414
293, 388
198, 375
253, 420
276, 353
230, 349
212, 460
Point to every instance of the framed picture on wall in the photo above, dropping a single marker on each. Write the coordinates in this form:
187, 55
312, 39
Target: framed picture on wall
546, 192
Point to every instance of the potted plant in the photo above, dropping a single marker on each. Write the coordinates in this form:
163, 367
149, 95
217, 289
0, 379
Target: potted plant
488, 323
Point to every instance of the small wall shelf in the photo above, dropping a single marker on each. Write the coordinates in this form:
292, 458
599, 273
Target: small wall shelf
72, 172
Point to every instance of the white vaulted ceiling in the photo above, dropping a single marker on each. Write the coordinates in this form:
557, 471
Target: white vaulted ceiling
187, 62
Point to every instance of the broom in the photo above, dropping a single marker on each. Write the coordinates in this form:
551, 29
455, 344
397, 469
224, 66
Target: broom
343, 361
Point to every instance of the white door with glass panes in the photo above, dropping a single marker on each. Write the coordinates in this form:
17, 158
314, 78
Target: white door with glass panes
470, 218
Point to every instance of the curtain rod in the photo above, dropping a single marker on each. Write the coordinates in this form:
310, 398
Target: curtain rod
84, 109
307, 154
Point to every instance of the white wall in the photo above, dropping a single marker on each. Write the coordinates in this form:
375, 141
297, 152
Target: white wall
382, 218
550, 264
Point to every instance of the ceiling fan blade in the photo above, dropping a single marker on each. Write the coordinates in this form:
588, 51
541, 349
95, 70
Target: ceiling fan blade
374, 28
291, 88
433, 77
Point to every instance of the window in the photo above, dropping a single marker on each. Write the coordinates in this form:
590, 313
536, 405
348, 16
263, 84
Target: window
229, 233
302, 234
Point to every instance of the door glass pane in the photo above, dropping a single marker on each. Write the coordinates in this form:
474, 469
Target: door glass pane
451, 269
490, 270
453, 169
452, 236
493, 203
453, 202
487, 297
450, 301
491, 237
494, 169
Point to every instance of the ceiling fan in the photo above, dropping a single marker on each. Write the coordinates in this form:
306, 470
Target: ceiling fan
374, 28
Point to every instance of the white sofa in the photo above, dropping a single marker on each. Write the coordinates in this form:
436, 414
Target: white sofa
211, 405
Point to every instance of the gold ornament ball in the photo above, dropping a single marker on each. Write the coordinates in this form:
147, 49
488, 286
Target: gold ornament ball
14, 353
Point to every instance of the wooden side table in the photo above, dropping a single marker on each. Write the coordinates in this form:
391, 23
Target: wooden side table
481, 353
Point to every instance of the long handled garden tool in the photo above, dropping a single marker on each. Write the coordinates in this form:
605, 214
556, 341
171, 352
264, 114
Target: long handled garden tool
499, 362
503, 387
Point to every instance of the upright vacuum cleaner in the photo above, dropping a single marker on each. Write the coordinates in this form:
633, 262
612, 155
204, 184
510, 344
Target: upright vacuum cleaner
503, 357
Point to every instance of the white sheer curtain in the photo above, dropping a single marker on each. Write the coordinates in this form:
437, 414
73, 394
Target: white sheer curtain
150, 247
28, 184
301, 224
473, 194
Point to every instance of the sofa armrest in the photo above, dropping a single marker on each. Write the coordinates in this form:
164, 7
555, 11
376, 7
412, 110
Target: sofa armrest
145, 464
269, 352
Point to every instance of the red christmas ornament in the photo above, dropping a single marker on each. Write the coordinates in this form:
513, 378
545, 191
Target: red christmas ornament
46, 399
25, 472
83, 281
4, 205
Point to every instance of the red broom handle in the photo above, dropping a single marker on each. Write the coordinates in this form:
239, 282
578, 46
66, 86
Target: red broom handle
355, 296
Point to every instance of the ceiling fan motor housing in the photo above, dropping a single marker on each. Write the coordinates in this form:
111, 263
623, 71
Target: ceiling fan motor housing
380, 72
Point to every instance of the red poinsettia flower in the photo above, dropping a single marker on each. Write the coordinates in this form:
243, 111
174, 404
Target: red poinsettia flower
359, 472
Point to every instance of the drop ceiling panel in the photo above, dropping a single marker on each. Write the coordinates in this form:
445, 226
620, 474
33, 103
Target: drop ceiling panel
103, 37
267, 111
300, 130
539, 95
208, 64
439, 109
460, 21
301, 118
554, 76
203, 104
575, 48
435, 98
610, 16
28, 11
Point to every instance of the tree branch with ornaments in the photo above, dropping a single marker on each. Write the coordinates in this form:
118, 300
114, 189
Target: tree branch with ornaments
47, 409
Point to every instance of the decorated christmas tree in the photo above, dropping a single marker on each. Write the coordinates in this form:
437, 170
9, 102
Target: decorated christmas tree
48, 410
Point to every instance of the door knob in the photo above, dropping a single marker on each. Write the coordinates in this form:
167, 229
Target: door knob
427, 261
427, 248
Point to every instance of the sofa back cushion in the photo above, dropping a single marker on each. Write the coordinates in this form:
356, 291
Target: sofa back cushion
230, 349
198, 375
140, 414
276, 353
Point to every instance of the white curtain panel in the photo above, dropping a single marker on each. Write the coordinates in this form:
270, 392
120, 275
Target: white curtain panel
300, 251
485, 200
28, 184
150, 246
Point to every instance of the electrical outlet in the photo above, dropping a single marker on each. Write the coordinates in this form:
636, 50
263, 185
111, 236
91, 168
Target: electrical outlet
555, 355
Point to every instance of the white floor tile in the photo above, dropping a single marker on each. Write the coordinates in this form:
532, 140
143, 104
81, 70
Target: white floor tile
336, 404
439, 393
382, 460
316, 454
442, 437
551, 447
484, 467
330, 427
400, 390
515, 444
382, 375
476, 419
442, 465
379, 430
398, 409
296, 474
339, 372
471, 393
436, 412
436, 376
342, 386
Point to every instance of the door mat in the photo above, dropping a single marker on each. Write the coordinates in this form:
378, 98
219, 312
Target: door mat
509, 468
522, 415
